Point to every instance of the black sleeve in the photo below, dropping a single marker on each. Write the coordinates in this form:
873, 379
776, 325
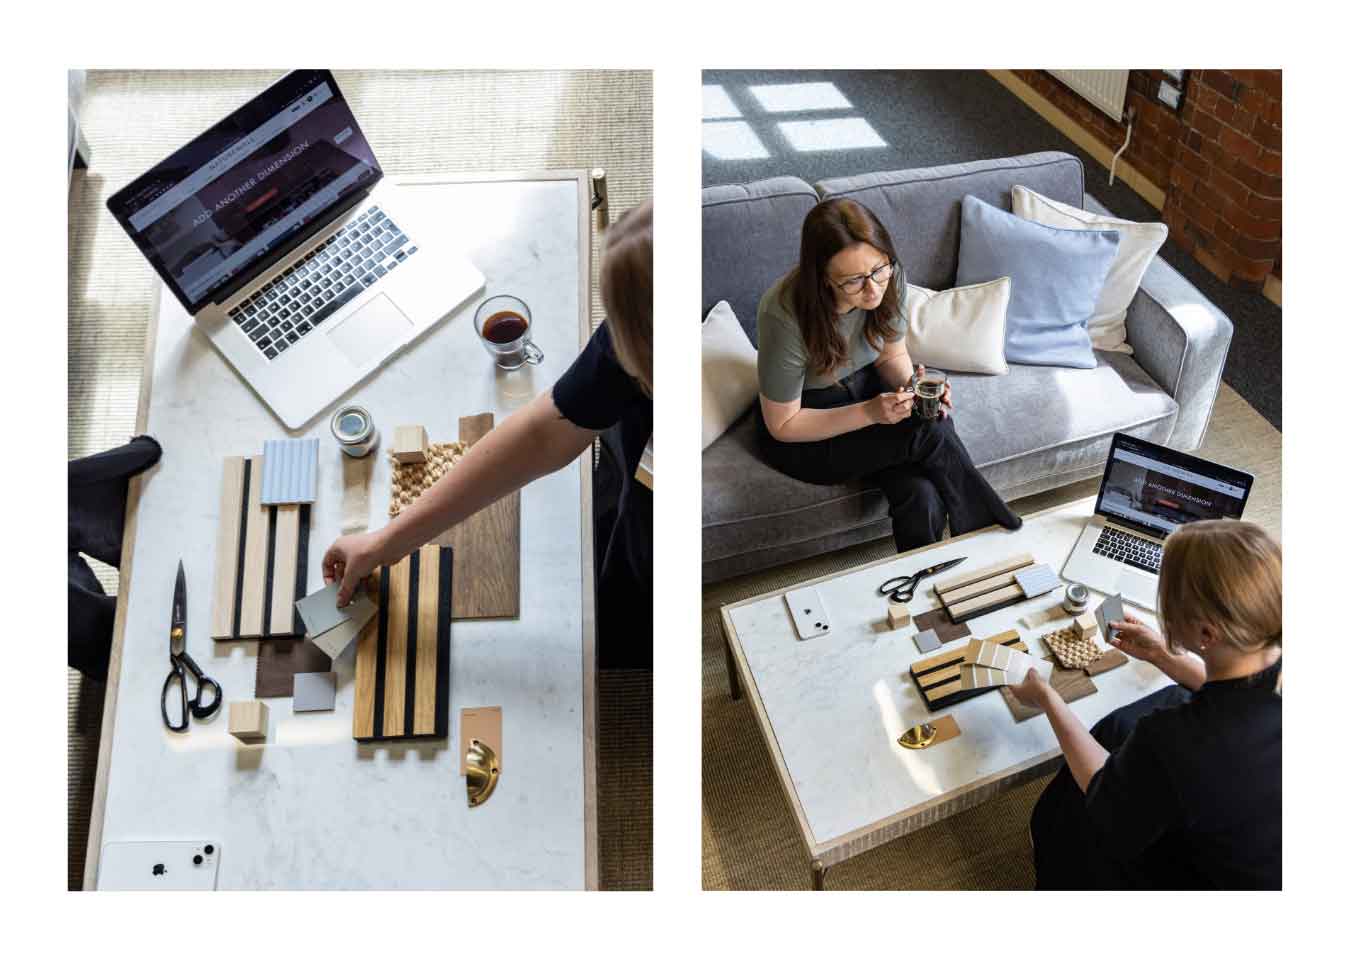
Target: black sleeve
1131, 800
596, 392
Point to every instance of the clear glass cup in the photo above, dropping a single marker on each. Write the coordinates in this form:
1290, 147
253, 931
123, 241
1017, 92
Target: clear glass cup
928, 389
503, 326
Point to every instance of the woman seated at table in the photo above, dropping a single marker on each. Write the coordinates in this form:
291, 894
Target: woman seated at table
1180, 789
833, 370
610, 383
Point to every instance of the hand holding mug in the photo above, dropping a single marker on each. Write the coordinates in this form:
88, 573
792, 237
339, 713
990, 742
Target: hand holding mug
889, 407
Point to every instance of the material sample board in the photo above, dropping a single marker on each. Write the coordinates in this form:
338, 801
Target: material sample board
261, 558
938, 678
290, 471
1071, 684
487, 544
280, 659
941, 624
403, 655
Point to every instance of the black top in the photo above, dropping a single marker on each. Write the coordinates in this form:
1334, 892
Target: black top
1192, 797
596, 393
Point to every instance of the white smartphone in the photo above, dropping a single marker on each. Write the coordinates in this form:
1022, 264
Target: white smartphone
159, 865
808, 612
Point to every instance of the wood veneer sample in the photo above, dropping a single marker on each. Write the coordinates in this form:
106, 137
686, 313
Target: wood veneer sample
487, 548
403, 656
280, 659
1007, 565
262, 557
483, 724
1071, 684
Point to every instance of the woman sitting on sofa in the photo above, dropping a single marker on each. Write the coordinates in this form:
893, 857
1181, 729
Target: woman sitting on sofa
832, 374
1180, 789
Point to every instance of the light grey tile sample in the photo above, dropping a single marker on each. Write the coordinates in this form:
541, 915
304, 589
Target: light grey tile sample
332, 629
1111, 609
927, 641
1037, 579
290, 471
315, 691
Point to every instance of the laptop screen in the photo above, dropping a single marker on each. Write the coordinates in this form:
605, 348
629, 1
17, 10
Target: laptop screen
1156, 490
214, 210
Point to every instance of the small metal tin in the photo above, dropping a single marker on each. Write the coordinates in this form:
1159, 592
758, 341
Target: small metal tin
355, 430
1075, 599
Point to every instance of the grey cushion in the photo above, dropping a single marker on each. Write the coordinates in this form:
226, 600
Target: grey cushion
751, 236
1030, 424
922, 208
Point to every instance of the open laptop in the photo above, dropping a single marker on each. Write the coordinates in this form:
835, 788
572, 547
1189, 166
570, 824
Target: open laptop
1146, 493
273, 231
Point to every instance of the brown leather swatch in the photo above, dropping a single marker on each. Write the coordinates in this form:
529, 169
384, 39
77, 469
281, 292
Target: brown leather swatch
280, 659
940, 623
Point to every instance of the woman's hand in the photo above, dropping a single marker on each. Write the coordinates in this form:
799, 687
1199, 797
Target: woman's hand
1137, 639
1033, 691
349, 560
889, 407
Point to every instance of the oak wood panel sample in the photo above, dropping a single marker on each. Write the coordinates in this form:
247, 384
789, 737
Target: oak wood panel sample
938, 677
1006, 565
262, 555
487, 548
403, 664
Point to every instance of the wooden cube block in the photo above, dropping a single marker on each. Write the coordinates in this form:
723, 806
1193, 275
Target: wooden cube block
248, 721
897, 615
1084, 626
410, 444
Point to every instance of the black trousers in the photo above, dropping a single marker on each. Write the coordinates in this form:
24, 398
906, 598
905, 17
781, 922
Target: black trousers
920, 465
1067, 855
96, 507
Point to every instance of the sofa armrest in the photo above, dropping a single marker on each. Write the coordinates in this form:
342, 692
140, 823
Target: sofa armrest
1181, 340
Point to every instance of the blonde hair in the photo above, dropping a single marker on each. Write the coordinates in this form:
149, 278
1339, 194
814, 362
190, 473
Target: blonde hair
1225, 573
626, 292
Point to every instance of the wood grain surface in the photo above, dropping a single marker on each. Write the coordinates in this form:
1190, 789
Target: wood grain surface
487, 548
1071, 684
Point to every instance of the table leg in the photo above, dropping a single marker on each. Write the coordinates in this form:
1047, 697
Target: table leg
818, 872
733, 676
600, 197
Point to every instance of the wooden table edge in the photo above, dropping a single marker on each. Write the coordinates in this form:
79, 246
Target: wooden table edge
836, 850
98, 808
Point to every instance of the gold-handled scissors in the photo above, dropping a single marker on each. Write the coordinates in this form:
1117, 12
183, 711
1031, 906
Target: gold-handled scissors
181, 663
901, 589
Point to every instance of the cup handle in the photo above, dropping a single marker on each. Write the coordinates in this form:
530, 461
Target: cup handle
532, 353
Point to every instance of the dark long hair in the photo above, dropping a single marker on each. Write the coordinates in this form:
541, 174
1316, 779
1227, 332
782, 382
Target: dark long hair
831, 226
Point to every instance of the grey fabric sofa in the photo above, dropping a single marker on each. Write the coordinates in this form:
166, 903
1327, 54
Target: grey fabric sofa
1031, 430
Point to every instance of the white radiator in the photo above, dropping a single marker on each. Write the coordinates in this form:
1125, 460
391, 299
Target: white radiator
1104, 89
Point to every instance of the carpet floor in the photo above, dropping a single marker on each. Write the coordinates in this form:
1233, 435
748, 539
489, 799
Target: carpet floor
417, 122
750, 837
931, 117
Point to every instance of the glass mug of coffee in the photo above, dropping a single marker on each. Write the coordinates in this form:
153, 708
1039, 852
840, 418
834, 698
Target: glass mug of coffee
928, 389
503, 324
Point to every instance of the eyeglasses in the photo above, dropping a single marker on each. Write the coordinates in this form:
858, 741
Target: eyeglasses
880, 276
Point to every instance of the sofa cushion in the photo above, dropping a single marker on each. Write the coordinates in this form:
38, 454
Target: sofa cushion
1031, 423
751, 236
1057, 279
730, 379
922, 208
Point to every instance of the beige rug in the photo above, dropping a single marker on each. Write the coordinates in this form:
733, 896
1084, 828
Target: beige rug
750, 837
417, 122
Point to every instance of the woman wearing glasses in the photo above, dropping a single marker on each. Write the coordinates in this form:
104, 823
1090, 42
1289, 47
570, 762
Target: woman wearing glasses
833, 371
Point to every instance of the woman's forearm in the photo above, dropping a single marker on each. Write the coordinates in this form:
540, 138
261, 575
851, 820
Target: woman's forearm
896, 369
820, 424
533, 441
1083, 755
1185, 669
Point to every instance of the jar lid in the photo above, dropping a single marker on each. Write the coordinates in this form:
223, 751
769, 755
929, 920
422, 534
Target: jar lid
352, 424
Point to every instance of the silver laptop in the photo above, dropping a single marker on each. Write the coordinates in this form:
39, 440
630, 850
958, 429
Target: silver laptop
1146, 493
273, 231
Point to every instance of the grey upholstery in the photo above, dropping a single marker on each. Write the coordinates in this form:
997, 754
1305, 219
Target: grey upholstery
752, 235
922, 208
1033, 429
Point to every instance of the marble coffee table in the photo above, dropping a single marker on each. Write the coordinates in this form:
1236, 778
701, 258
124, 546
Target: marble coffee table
831, 709
312, 808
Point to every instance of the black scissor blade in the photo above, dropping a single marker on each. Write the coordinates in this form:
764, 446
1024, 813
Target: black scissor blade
179, 620
945, 565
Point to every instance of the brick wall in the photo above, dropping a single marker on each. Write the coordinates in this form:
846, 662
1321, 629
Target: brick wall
1218, 161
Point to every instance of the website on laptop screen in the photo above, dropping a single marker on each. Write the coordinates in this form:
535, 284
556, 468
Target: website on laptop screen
208, 213
1149, 491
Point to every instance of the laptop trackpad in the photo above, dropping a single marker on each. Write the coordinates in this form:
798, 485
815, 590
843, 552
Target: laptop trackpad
368, 333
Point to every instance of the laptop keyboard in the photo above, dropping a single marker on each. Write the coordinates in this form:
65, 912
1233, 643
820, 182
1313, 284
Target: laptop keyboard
297, 300
1127, 548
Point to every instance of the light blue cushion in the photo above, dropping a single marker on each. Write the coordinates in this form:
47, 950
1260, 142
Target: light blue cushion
1057, 278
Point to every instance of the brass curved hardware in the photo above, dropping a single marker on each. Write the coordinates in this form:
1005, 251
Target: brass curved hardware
481, 776
918, 737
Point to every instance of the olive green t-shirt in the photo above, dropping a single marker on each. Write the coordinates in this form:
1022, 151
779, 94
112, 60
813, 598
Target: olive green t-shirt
783, 368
